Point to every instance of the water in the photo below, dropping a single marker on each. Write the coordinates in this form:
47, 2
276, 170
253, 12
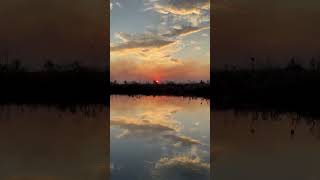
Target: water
250, 146
159, 138
39, 142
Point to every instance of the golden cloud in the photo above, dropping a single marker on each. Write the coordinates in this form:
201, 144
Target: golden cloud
181, 7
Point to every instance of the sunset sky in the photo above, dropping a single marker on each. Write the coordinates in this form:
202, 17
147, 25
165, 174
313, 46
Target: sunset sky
160, 39
271, 30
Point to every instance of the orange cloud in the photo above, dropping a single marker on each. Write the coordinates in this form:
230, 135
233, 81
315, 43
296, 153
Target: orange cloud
181, 7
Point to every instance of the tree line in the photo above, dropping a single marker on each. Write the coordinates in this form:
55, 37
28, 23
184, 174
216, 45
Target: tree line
48, 66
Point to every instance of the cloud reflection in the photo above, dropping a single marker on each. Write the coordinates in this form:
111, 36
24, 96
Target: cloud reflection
181, 167
157, 124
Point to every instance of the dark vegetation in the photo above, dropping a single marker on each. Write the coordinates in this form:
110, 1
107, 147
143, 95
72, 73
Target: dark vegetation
293, 88
53, 84
192, 89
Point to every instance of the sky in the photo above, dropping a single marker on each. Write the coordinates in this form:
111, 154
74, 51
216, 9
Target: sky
273, 31
61, 30
160, 40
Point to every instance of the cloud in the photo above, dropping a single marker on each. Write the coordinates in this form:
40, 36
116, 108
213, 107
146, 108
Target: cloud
204, 35
118, 4
183, 31
148, 46
153, 39
174, 12
155, 46
175, 60
139, 41
181, 7
136, 125
115, 3
157, 124
181, 167
149, 122
184, 140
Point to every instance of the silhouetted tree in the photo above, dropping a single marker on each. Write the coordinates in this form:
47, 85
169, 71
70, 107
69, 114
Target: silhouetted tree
294, 66
16, 66
226, 67
312, 64
4, 68
253, 63
318, 66
49, 66
76, 67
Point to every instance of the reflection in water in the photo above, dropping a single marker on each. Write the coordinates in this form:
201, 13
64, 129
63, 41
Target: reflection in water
159, 138
265, 146
41, 143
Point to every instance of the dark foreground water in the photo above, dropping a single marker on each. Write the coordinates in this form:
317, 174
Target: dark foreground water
251, 146
159, 138
41, 143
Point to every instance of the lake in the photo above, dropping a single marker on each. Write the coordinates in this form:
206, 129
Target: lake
51, 143
160, 138
264, 146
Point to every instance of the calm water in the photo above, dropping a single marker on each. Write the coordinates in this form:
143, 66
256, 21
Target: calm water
159, 138
41, 143
250, 146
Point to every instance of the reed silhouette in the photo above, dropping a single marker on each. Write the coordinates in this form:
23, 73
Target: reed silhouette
191, 89
289, 88
61, 84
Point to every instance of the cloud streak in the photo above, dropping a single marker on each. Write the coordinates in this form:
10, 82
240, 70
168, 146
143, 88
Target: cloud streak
139, 41
184, 31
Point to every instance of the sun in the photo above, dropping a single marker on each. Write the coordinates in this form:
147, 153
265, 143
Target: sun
156, 82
